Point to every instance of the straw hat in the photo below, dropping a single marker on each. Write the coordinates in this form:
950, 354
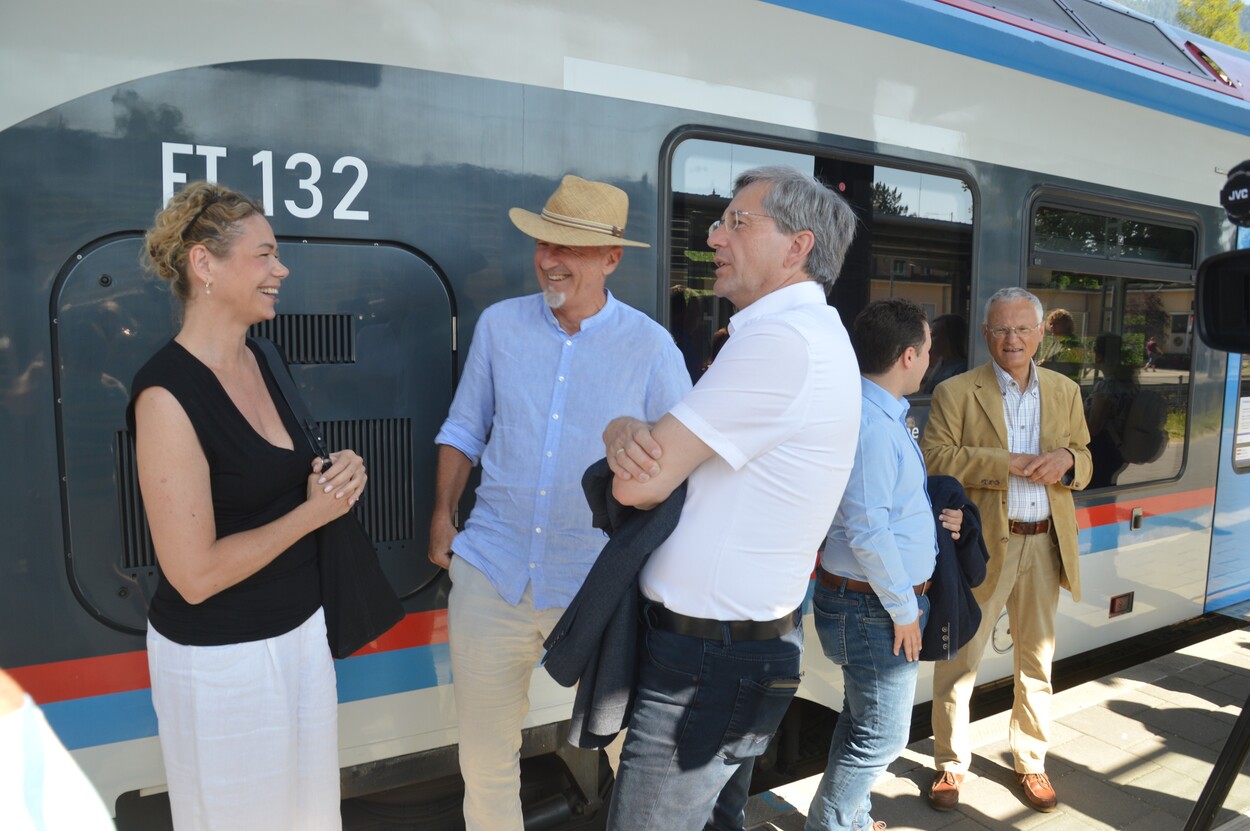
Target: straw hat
579, 213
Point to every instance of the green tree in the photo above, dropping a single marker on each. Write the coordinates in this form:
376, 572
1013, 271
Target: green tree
887, 200
1216, 19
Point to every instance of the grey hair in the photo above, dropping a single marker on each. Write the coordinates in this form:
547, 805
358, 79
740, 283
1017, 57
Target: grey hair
799, 202
1009, 295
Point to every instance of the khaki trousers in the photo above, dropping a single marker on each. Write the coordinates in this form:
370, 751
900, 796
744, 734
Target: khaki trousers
494, 647
1026, 582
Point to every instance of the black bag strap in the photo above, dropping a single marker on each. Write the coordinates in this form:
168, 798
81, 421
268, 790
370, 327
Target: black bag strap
286, 385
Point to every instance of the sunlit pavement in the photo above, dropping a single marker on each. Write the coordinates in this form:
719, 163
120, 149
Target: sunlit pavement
1131, 750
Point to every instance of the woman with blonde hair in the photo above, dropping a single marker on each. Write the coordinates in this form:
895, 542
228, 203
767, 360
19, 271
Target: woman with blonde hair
242, 679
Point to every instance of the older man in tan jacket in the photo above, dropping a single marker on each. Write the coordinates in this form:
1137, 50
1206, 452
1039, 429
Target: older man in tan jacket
1014, 435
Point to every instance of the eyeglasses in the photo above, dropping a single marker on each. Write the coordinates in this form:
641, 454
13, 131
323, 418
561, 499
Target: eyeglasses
1001, 332
732, 221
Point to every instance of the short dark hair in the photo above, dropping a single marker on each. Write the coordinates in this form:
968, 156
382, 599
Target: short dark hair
883, 331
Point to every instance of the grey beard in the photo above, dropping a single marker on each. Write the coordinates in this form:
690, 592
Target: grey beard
554, 299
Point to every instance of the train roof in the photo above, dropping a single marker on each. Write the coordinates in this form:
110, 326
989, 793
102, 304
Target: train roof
1117, 32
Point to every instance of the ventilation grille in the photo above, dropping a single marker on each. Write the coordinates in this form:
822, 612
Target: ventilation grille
386, 510
312, 339
137, 551
386, 446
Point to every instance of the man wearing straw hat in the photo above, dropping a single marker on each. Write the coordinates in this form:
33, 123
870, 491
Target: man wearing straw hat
544, 373
765, 442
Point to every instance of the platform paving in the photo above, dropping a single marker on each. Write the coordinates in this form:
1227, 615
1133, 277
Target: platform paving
1131, 750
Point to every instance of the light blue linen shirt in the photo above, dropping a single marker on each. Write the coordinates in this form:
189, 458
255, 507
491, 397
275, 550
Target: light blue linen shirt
884, 531
531, 407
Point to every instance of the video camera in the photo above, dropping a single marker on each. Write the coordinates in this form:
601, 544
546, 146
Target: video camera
1224, 279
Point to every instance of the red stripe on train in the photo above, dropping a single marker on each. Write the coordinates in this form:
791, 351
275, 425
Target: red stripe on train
1122, 511
85, 677
127, 671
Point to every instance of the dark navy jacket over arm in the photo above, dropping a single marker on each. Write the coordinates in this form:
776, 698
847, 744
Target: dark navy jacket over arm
954, 613
595, 643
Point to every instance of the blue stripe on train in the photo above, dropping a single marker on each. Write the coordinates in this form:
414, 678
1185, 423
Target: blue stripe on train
961, 32
126, 716
104, 719
1162, 526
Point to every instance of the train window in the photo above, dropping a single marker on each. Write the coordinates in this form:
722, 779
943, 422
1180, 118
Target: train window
1118, 291
914, 240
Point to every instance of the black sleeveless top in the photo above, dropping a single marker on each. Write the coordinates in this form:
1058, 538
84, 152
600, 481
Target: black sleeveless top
253, 483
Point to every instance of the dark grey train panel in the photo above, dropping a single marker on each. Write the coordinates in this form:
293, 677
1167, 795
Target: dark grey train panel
370, 328
384, 163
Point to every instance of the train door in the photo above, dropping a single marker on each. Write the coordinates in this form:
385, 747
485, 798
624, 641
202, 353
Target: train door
914, 239
1116, 281
1228, 582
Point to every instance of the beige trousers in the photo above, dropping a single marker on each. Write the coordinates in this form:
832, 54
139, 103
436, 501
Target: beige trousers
494, 647
1026, 582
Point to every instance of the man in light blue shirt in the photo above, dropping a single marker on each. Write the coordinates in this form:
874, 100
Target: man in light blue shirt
544, 373
870, 600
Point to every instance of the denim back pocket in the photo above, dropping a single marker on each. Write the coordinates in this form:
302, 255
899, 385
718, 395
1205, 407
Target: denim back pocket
758, 710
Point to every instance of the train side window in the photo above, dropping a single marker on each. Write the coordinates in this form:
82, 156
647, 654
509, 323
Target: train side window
1118, 292
914, 240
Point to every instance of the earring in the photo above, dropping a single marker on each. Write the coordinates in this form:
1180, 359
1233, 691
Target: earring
208, 286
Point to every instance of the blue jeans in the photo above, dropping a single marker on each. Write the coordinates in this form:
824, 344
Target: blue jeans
704, 710
857, 633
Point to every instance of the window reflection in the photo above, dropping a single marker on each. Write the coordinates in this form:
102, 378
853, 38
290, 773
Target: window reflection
1064, 231
1127, 341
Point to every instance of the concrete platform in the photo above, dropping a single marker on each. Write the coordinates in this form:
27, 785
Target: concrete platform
1131, 750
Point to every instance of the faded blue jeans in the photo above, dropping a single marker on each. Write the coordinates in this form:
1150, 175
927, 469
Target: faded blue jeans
857, 633
704, 710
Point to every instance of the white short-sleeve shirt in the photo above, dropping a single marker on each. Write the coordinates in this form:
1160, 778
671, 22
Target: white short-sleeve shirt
780, 408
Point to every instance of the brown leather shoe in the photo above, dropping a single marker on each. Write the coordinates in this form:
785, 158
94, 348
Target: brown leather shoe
944, 792
1038, 791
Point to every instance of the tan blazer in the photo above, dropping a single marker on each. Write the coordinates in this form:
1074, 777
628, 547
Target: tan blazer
966, 437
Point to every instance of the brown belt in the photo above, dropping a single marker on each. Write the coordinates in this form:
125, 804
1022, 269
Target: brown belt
837, 582
1028, 528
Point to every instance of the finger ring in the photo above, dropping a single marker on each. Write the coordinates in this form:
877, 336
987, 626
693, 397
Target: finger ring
620, 450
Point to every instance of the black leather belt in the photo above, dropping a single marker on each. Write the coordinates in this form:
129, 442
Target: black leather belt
1028, 528
837, 582
707, 629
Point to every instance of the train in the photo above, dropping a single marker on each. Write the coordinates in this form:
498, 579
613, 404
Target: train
1076, 149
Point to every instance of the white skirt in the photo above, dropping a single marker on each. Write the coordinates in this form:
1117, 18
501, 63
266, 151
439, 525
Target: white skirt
249, 731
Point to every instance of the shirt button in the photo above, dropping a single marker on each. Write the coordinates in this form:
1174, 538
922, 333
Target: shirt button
542, 493
538, 530
533, 565
548, 454
555, 416
561, 377
568, 343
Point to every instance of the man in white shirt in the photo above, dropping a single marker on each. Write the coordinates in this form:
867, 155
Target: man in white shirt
766, 441
41, 787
